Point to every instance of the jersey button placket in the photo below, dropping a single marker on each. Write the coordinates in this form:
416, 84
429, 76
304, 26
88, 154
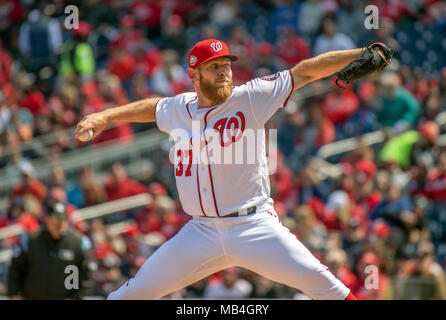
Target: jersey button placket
204, 170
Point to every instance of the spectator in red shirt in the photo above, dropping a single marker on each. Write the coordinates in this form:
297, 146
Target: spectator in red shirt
11, 11
281, 183
318, 130
291, 48
435, 187
34, 100
336, 261
123, 64
148, 15
148, 58
129, 37
161, 216
28, 185
340, 105
5, 64
118, 185
93, 101
394, 10
365, 193
24, 211
372, 283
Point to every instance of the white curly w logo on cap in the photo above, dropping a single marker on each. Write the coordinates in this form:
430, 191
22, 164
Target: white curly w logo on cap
216, 46
193, 60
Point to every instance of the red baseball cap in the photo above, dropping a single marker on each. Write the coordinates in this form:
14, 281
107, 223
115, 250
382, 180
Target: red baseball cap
209, 49
366, 166
84, 29
430, 130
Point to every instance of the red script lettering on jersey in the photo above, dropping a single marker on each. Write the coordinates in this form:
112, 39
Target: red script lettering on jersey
230, 130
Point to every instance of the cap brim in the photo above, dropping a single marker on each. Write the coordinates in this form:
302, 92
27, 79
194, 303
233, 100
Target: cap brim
233, 57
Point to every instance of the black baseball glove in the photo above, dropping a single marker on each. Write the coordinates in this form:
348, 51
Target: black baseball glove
367, 62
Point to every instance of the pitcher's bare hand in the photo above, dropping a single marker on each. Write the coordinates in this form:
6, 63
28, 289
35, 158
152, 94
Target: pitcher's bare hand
95, 121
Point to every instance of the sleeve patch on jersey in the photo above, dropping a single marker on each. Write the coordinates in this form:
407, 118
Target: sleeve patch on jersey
271, 77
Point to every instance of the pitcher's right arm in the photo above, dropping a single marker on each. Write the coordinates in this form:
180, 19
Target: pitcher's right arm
139, 111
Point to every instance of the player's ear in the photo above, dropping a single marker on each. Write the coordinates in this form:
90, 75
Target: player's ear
193, 74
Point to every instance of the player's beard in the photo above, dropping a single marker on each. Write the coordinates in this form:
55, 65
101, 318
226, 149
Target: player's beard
214, 93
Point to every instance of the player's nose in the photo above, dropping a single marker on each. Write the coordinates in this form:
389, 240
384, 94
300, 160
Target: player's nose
223, 71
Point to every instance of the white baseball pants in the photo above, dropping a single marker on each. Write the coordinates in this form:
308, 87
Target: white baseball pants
258, 242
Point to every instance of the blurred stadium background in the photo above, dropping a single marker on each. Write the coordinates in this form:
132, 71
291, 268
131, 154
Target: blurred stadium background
361, 178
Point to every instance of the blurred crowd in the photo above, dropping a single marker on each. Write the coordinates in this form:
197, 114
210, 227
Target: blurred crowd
386, 206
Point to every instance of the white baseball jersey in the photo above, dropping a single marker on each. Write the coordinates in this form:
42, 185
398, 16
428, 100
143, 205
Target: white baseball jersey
257, 242
216, 189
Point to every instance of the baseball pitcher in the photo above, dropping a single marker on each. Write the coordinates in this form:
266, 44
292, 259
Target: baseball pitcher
234, 222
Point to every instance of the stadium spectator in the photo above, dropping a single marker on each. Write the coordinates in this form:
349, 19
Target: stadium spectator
223, 13
317, 131
5, 64
148, 16
266, 63
129, 37
310, 231
310, 17
434, 190
385, 33
40, 41
263, 288
336, 261
379, 286
245, 47
291, 49
77, 54
286, 14
173, 35
412, 147
340, 105
331, 39
364, 192
364, 119
309, 185
118, 185
396, 209
426, 278
351, 22
395, 106
196, 290
88, 184
96, 12
11, 12
28, 185
170, 79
